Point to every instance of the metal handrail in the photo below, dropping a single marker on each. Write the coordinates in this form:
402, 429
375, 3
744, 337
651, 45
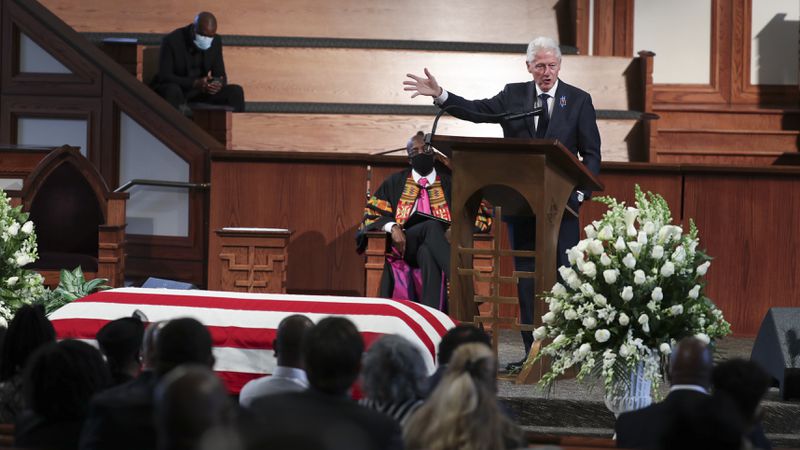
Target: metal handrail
161, 183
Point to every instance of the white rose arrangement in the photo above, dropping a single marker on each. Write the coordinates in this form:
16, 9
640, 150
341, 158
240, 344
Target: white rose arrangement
634, 289
18, 285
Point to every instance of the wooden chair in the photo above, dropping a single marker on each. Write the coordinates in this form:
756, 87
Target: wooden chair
78, 220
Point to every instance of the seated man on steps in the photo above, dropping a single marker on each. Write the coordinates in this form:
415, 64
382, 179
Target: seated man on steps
424, 245
191, 68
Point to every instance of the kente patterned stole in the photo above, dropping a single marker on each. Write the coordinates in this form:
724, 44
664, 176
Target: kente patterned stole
409, 196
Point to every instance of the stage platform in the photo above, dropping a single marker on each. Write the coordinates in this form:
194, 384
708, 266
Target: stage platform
577, 408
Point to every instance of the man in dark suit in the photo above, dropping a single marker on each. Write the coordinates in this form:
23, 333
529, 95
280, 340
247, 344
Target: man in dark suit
568, 116
324, 416
191, 67
690, 377
122, 417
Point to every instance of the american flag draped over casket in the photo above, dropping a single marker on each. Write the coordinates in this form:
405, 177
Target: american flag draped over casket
243, 325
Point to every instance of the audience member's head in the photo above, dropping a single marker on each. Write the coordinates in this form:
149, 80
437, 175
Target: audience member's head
205, 24
288, 341
462, 412
121, 342
149, 357
691, 363
182, 341
62, 377
458, 335
28, 330
189, 401
745, 382
393, 371
333, 350
711, 424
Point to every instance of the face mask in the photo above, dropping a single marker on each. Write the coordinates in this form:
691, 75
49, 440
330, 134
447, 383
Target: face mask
202, 42
422, 163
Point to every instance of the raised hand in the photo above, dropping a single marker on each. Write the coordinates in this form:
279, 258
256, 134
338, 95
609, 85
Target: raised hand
422, 86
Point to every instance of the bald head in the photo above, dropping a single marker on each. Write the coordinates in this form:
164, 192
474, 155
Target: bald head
206, 24
691, 363
289, 338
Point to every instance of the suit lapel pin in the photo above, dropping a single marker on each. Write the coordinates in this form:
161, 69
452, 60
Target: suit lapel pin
563, 101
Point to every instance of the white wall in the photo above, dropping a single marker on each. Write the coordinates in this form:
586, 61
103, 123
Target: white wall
34, 59
774, 47
679, 32
152, 210
46, 132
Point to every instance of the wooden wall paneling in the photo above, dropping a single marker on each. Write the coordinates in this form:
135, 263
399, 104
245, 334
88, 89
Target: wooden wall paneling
15, 107
603, 43
321, 203
744, 91
18, 163
719, 158
746, 223
377, 19
718, 90
623, 28
364, 133
581, 14
373, 76
83, 81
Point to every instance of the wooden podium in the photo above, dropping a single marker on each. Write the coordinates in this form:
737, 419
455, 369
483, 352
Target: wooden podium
521, 176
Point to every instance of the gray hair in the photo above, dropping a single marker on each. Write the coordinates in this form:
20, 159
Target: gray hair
543, 44
393, 370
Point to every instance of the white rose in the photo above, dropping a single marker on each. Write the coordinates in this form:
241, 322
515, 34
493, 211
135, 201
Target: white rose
540, 333
657, 294
642, 238
574, 255
635, 248
629, 261
600, 299
565, 271
703, 337
663, 233
590, 270
548, 317
631, 231
676, 310
693, 246
638, 277
620, 244
625, 350
559, 339
558, 289
649, 228
602, 335
679, 254
646, 327
27, 228
555, 306
573, 281
596, 247
605, 260
665, 348
610, 276
582, 245
695, 292
12, 281
13, 229
668, 269
658, 252
589, 323
22, 259
606, 233
590, 231
587, 289
630, 215
570, 314
676, 232
643, 319
624, 320
627, 293
584, 350
703, 268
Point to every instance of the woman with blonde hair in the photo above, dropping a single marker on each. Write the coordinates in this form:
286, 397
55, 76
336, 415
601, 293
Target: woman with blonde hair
462, 412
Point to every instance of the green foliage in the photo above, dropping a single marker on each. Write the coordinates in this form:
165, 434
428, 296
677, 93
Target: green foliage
72, 287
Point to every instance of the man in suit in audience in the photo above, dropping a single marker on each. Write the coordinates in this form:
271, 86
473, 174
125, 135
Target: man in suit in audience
324, 416
690, 377
290, 374
191, 68
122, 417
423, 245
568, 115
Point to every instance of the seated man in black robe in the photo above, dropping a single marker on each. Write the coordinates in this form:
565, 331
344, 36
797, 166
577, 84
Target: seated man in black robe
191, 68
424, 245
